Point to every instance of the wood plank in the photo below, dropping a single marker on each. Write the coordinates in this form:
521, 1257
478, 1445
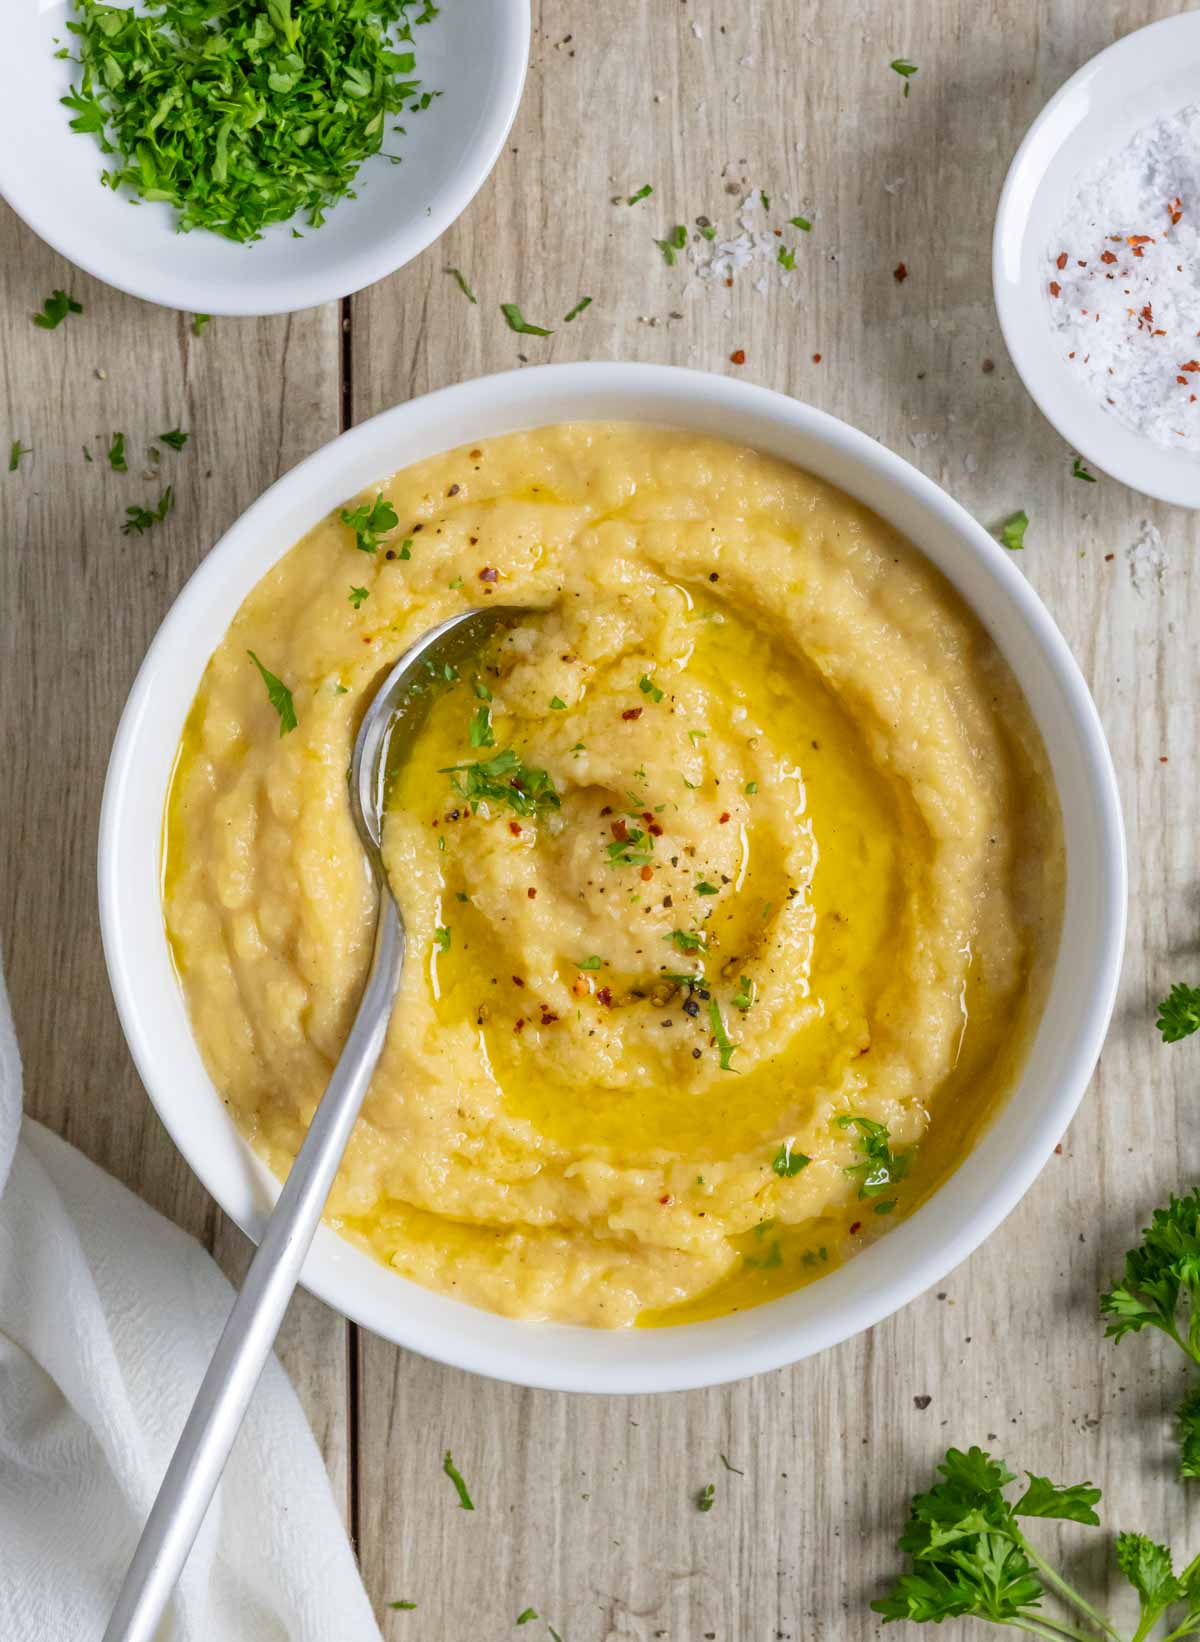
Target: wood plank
585, 1507
80, 603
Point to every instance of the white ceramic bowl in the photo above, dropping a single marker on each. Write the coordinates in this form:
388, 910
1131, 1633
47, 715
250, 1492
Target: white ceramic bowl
922, 1249
474, 54
1146, 76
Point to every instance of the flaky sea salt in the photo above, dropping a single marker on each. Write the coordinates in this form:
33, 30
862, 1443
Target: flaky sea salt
1148, 558
1123, 281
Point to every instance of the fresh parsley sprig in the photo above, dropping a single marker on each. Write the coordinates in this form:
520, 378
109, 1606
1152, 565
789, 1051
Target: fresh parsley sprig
370, 522
507, 780
1179, 1012
881, 1168
56, 307
1160, 1289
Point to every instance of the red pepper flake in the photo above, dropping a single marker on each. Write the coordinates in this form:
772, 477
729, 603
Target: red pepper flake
532, 893
604, 996
519, 1025
1139, 239
620, 831
665, 1198
1061, 263
487, 574
729, 284
632, 712
475, 455
738, 356
723, 817
1109, 557
856, 1227
515, 828
1190, 365
654, 830
647, 874
1058, 1149
1182, 380
1175, 210
1055, 288
817, 358
900, 273
1107, 256
1164, 759
517, 981
988, 366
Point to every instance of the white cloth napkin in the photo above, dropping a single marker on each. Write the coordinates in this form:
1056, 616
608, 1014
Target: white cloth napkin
108, 1316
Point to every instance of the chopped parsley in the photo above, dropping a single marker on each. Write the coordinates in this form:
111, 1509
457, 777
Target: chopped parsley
881, 1167
239, 114
441, 938
705, 888
686, 941
643, 193
141, 519
358, 595
623, 852
725, 1043
648, 688
455, 1475
1012, 531
399, 1604
1179, 1013
480, 729
176, 439
1078, 471
405, 548
460, 280
370, 522
802, 223
278, 695
557, 704
517, 321
765, 199
116, 454
15, 453
584, 302
706, 1498
743, 998
199, 323
901, 66
526, 1615
750, 788
589, 963
787, 1163
729, 1467
504, 779
57, 306
675, 241
787, 259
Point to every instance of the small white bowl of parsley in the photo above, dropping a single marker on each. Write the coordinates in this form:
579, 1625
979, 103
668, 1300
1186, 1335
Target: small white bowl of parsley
253, 156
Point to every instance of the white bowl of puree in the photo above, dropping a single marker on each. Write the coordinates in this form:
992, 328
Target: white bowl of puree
764, 888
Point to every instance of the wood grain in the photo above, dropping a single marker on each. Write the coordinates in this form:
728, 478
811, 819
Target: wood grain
585, 1507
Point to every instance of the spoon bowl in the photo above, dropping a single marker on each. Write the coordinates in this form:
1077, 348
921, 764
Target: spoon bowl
392, 719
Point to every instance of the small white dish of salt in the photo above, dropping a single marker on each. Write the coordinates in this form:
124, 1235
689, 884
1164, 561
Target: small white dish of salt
1096, 260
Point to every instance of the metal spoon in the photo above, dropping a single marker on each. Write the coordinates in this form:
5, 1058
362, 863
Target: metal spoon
397, 710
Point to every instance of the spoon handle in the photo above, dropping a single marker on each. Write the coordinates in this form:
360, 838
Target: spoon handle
245, 1344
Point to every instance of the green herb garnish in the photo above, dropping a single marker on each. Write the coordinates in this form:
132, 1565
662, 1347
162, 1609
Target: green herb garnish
675, 241
743, 998
706, 1498
705, 888
15, 452
441, 938
648, 688
140, 519
57, 306
686, 941
116, 454
802, 223
557, 704
460, 280
725, 1043
370, 522
480, 728
504, 779
517, 322
455, 1475
279, 696
237, 113
399, 1604
787, 259
750, 788
199, 322
729, 1467
176, 439
589, 963
787, 1163
643, 193
623, 852
526, 1615
584, 302
906, 69
1012, 531
1179, 1013
881, 1167
764, 199
1078, 471
358, 595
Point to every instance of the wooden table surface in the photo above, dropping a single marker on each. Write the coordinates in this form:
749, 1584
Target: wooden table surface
585, 1506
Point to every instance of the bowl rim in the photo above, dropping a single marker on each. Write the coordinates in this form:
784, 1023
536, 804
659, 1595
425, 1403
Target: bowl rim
1131, 458
350, 273
928, 1243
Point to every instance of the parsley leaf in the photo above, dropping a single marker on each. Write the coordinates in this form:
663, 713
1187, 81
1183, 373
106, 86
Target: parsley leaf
480, 728
399, 1604
460, 280
787, 259
441, 937
526, 1615
240, 114
675, 241
504, 779
140, 519
584, 302
455, 1475
370, 522
1179, 1013
15, 453
787, 1163
900, 66
358, 595
1012, 531
116, 454
743, 998
199, 322
643, 193
279, 696
725, 1043
1148, 1569
1078, 471
1074, 1503
517, 321
802, 223
706, 1498
686, 941
648, 688
56, 308
176, 439
881, 1167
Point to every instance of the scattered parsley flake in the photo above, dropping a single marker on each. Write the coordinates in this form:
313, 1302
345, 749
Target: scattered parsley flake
55, 309
725, 1043
584, 302
199, 321
685, 940
455, 1475
1078, 471
518, 323
729, 1467
787, 1163
140, 519
459, 279
881, 1167
557, 704
399, 1604
743, 998
802, 223
480, 728
279, 696
648, 688
116, 454
750, 788
358, 595
176, 439
441, 937
905, 69
589, 963
1179, 1013
765, 199
643, 193
1012, 531
705, 888
524, 1617
706, 1498
787, 259
15, 453
504, 779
